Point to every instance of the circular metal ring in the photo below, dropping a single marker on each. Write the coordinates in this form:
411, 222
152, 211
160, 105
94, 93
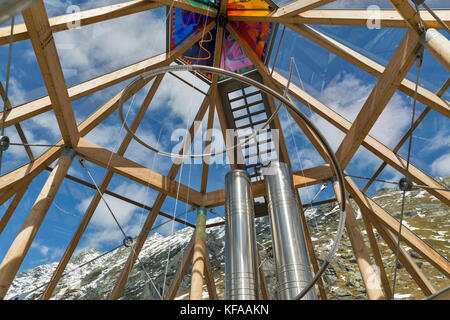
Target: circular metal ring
128, 242
288, 104
147, 75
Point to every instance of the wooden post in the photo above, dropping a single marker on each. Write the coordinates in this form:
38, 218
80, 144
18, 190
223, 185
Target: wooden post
198, 261
19, 248
378, 259
368, 274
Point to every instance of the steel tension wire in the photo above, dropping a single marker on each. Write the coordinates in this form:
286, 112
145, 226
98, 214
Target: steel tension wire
128, 240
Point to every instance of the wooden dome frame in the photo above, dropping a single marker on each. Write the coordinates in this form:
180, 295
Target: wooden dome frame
296, 15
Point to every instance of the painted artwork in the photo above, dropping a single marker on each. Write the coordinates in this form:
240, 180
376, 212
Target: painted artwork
257, 34
247, 8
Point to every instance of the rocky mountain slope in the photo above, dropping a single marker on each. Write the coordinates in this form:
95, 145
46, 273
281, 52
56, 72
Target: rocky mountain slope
424, 215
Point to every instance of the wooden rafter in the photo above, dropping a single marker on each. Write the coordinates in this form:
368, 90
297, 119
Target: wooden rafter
44, 47
296, 7
39, 29
397, 147
374, 210
11, 208
368, 275
385, 18
136, 172
41, 105
395, 71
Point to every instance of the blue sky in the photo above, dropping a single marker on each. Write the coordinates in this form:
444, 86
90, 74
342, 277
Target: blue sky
103, 47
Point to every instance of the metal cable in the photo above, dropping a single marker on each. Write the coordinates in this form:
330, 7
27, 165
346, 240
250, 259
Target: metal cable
126, 237
439, 20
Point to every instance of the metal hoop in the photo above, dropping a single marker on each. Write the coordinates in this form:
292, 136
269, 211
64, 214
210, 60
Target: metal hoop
290, 105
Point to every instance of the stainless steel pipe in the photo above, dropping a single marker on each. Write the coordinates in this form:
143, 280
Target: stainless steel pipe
240, 239
288, 240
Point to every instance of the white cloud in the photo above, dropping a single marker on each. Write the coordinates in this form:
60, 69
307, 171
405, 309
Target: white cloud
346, 95
129, 216
98, 48
441, 166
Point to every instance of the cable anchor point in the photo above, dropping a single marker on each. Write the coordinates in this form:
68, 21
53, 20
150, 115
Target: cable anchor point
128, 241
4, 143
405, 184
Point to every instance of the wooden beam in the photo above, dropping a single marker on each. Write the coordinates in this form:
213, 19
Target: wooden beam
397, 68
136, 172
41, 105
11, 208
369, 142
377, 256
368, 274
181, 270
406, 86
443, 294
374, 211
11, 182
408, 13
397, 147
405, 259
149, 221
97, 197
191, 5
295, 7
385, 18
82, 18
22, 242
18, 127
41, 36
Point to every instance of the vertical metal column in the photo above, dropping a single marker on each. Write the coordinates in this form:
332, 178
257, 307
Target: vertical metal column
240, 238
291, 256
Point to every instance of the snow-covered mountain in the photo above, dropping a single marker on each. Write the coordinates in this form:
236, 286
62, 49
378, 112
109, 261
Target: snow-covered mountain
424, 215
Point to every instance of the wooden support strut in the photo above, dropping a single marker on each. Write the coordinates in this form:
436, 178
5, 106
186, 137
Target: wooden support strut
366, 204
11, 208
368, 274
19, 248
